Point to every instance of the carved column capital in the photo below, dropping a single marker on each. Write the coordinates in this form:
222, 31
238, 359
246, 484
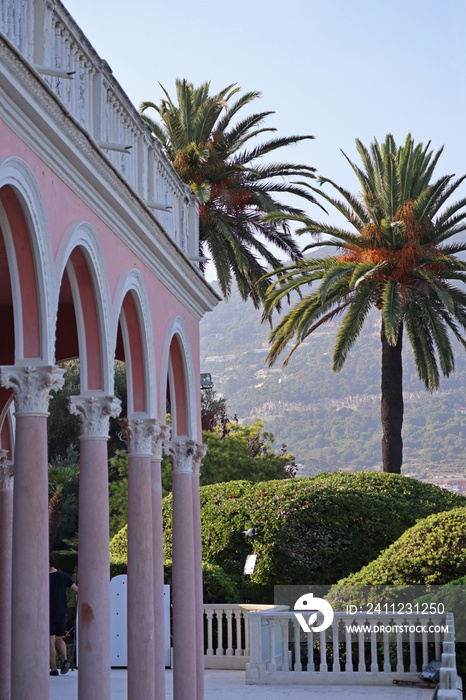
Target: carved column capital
32, 386
138, 433
94, 413
181, 452
6, 472
199, 454
161, 435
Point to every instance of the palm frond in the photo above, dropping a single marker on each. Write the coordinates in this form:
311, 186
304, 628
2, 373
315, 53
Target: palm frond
325, 319
433, 321
392, 311
351, 327
420, 348
333, 275
354, 213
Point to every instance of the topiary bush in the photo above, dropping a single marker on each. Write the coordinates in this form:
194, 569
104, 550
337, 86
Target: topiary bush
119, 550
219, 587
431, 552
310, 531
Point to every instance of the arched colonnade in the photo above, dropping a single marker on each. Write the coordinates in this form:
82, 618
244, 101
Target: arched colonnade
70, 287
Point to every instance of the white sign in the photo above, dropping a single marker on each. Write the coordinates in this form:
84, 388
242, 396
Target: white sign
250, 564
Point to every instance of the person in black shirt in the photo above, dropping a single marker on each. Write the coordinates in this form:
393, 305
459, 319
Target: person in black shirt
59, 582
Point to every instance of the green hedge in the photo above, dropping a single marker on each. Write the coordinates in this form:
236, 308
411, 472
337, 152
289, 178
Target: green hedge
310, 531
433, 551
218, 586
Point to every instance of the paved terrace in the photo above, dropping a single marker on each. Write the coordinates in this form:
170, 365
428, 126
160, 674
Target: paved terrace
229, 685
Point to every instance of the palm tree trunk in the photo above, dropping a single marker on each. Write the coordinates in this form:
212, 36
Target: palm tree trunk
391, 409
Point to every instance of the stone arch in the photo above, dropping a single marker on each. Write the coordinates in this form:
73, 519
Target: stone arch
177, 374
81, 259
7, 429
34, 320
132, 317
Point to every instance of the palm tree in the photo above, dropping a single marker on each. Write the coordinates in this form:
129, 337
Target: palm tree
214, 157
400, 258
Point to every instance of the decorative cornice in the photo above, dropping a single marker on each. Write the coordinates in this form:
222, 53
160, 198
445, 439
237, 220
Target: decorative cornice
181, 452
6, 472
161, 435
138, 433
94, 413
199, 454
51, 131
32, 386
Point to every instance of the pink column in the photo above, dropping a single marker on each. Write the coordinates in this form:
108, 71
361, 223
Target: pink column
30, 578
93, 564
141, 674
199, 455
183, 580
6, 544
162, 433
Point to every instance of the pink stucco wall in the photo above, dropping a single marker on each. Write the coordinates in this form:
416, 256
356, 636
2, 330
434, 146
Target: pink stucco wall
64, 208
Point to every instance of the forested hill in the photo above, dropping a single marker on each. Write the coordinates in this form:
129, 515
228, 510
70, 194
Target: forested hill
331, 421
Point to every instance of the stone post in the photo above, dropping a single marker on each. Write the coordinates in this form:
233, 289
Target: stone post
199, 454
6, 545
162, 433
183, 590
256, 668
30, 578
139, 434
94, 413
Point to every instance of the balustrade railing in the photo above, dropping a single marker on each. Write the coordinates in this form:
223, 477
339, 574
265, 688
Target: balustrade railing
226, 634
356, 649
450, 685
49, 39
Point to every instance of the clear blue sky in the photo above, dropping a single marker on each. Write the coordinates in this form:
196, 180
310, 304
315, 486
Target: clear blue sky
336, 69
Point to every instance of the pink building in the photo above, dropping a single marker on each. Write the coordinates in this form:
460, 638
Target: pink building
98, 259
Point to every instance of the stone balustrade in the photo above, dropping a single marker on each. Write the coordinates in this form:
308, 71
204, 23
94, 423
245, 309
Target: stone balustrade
226, 628
345, 653
450, 685
49, 39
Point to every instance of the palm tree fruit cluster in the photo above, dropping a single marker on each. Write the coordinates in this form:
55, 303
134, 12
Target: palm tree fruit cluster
400, 256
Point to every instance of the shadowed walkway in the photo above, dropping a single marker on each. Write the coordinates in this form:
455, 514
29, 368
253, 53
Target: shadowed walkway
229, 685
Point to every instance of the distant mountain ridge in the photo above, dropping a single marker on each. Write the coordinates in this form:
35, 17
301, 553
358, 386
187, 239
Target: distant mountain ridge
331, 421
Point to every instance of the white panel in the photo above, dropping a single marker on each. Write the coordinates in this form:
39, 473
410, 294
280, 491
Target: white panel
118, 628
118, 622
166, 610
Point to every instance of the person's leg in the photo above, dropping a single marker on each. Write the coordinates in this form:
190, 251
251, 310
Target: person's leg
53, 654
61, 646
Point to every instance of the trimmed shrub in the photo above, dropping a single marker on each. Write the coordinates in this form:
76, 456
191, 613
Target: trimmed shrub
218, 586
119, 550
433, 551
310, 531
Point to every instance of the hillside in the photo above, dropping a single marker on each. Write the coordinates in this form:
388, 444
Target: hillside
332, 421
